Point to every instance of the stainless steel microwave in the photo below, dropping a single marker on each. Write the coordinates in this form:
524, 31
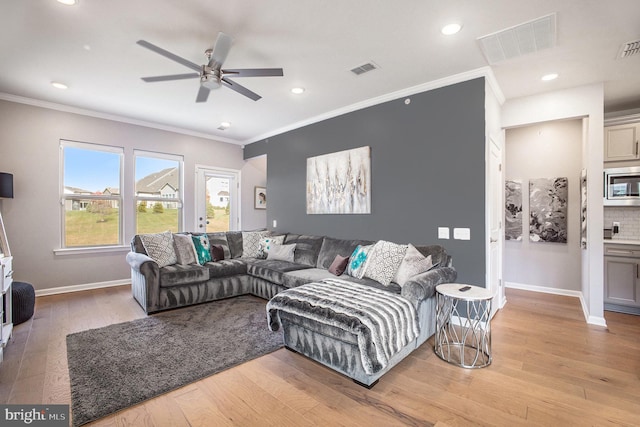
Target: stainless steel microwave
622, 186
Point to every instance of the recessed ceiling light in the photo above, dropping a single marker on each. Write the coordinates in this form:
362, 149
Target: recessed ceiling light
59, 85
68, 2
451, 29
297, 90
549, 77
225, 124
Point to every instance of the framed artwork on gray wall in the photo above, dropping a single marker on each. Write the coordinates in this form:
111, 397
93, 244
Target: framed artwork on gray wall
548, 210
340, 182
260, 198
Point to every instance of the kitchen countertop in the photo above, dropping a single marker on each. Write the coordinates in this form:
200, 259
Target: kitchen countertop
622, 242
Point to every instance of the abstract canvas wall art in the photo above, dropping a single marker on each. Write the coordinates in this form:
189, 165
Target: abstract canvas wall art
583, 209
513, 210
548, 210
340, 183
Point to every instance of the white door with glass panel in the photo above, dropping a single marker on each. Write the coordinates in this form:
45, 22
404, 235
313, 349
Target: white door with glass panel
217, 199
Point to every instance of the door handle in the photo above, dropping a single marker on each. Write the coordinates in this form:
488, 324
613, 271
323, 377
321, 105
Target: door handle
492, 240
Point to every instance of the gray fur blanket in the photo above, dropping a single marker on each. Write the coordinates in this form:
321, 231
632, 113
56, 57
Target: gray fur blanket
374, 316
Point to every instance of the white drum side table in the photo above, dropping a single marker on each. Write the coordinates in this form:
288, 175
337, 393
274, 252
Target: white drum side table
463, 325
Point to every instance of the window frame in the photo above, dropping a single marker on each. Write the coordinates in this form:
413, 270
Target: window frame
162, 199
64, 197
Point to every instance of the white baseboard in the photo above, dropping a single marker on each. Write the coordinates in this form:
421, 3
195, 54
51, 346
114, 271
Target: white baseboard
84, 287
592, 320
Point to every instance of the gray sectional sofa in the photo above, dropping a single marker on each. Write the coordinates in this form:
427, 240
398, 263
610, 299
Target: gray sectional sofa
160, 288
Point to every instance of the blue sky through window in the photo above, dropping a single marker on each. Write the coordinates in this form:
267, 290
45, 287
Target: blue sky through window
95, 170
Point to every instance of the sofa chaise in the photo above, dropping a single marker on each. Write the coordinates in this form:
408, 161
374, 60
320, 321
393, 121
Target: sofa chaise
243, 271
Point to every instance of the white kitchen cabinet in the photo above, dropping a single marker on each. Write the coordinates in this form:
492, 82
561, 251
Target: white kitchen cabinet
621, 142
622, 278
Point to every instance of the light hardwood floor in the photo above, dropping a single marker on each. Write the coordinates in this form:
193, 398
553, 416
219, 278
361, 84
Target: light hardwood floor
549, 368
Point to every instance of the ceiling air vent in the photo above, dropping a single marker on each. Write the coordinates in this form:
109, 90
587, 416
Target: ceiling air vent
520, 40
369, 66
629, 48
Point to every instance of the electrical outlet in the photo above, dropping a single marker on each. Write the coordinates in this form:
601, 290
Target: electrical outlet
275, 223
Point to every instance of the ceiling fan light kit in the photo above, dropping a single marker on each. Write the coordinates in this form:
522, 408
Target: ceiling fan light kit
211, 75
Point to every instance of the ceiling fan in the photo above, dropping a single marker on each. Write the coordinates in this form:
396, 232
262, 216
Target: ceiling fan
211, 75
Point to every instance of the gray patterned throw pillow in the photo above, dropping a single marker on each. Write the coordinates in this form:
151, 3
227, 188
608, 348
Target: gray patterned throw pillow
185, 250
160, 248
251, 243
413, 264
384, 260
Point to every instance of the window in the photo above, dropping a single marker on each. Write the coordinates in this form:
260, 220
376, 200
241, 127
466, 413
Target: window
158, 192
90, 194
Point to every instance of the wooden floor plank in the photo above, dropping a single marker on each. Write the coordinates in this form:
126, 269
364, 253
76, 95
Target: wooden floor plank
549, 368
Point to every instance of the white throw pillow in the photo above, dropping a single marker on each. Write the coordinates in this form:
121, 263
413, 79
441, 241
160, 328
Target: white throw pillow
160, 248
185, 249
266, 243
412, 264
282, 252
384, 260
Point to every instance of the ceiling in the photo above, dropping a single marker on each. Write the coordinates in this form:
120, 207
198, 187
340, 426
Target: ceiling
91, 47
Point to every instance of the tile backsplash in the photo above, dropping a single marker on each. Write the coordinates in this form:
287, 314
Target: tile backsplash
629, 219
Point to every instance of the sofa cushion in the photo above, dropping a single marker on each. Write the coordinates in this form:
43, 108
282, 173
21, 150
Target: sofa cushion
293, 279
137, 246
339, 265
251, 243
159, 247
202, 244
307, 248
267, 242
185, 251
235, 243
332, 247
412, 264
282, 252
438, 254
358, 261
384, 260
226, 268
272, 270
176, 274
220, 238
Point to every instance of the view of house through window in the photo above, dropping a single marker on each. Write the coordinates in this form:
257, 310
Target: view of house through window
92, 178
158, 192
218, 206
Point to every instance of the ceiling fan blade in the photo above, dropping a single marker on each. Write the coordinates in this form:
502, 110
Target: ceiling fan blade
170, 77
169, 55
203, 94
240, 89
255, 72
220, 49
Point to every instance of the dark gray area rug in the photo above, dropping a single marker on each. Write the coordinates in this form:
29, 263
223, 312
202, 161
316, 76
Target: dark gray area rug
120, 365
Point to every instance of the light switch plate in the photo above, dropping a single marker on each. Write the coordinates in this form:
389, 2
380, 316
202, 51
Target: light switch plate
443, 232
462, 233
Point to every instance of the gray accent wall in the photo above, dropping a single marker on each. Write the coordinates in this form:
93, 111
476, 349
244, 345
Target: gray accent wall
427, 170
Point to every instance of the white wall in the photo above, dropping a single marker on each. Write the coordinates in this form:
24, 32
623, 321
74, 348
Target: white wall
29, 148
546, 150
588, 102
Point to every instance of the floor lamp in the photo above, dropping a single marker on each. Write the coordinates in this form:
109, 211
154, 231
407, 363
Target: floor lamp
6, 192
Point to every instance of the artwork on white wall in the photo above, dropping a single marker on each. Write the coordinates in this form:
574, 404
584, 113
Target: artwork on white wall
548, 210
583, 209
513, 210
340, 183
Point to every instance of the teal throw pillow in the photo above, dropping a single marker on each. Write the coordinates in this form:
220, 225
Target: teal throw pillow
202, 246
358, 261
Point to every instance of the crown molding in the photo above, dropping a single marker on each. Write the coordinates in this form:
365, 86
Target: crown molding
485, 72
113, 117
